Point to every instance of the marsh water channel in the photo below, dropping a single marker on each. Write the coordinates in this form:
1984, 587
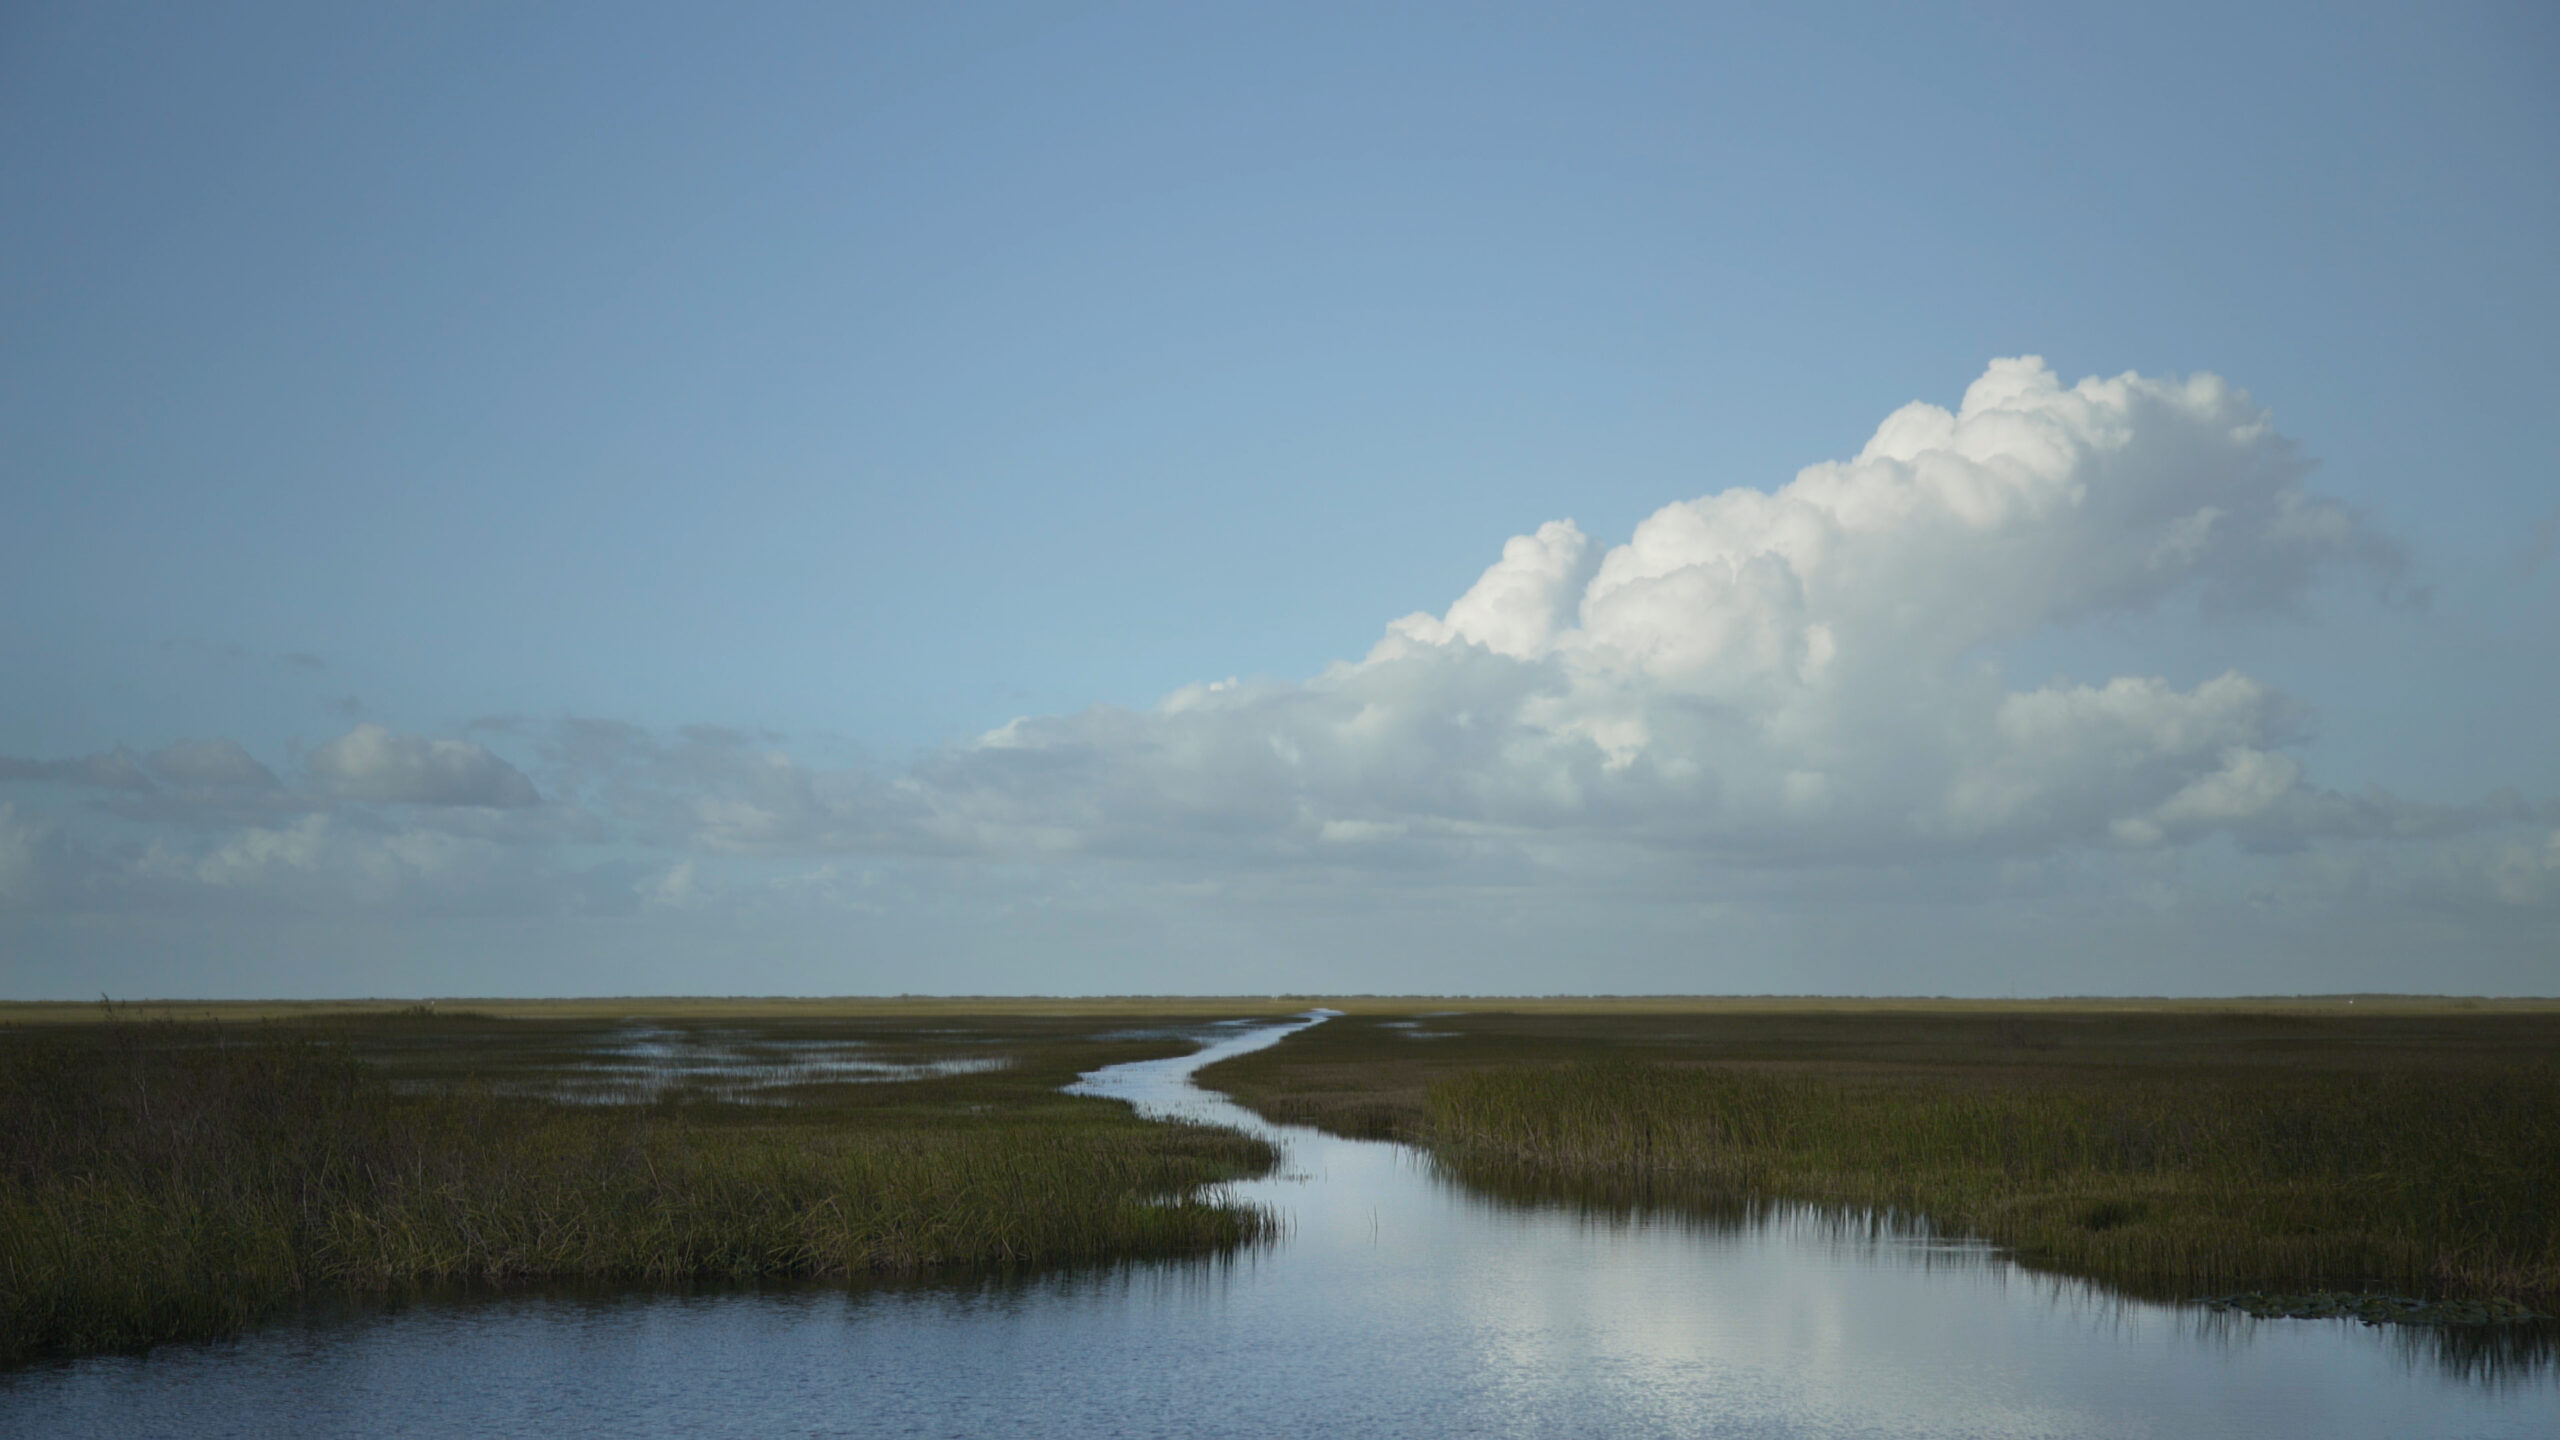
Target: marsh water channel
1399, 1304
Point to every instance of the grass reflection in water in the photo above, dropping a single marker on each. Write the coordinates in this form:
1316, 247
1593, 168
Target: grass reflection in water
2171, 1151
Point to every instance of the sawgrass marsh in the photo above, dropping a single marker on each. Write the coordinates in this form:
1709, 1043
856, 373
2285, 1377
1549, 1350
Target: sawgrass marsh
2170, 1149
166, 1179
181, 1171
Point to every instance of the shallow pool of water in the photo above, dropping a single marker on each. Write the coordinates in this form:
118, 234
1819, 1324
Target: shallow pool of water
1399, 1305
642, 1064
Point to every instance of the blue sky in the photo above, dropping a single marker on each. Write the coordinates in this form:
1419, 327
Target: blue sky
617, 499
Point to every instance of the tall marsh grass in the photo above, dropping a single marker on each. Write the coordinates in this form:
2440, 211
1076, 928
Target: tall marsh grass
2169, 1185
164, 1181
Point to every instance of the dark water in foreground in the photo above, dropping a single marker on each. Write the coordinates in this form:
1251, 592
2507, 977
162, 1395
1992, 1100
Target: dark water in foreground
1400, 1305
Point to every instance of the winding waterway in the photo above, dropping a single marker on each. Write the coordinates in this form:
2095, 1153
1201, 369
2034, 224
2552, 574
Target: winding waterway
1400, 1304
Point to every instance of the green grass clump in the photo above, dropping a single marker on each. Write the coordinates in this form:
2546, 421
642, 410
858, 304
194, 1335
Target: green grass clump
2444, 1181
166, 1181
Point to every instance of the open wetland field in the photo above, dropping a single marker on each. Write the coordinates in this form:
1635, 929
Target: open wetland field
2170, 1149
1755, 1217
173, 1178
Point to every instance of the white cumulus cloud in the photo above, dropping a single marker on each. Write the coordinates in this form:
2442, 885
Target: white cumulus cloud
1789, 692
1769, 675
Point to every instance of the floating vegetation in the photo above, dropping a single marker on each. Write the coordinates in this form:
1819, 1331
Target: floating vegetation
2375, 1309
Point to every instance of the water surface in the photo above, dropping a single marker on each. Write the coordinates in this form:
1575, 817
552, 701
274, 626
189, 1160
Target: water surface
1399, 1305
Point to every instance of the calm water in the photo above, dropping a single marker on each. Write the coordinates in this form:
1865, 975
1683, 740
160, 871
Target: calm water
1400, 1305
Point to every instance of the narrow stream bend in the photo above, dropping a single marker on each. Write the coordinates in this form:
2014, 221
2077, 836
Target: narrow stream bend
1399, 1305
